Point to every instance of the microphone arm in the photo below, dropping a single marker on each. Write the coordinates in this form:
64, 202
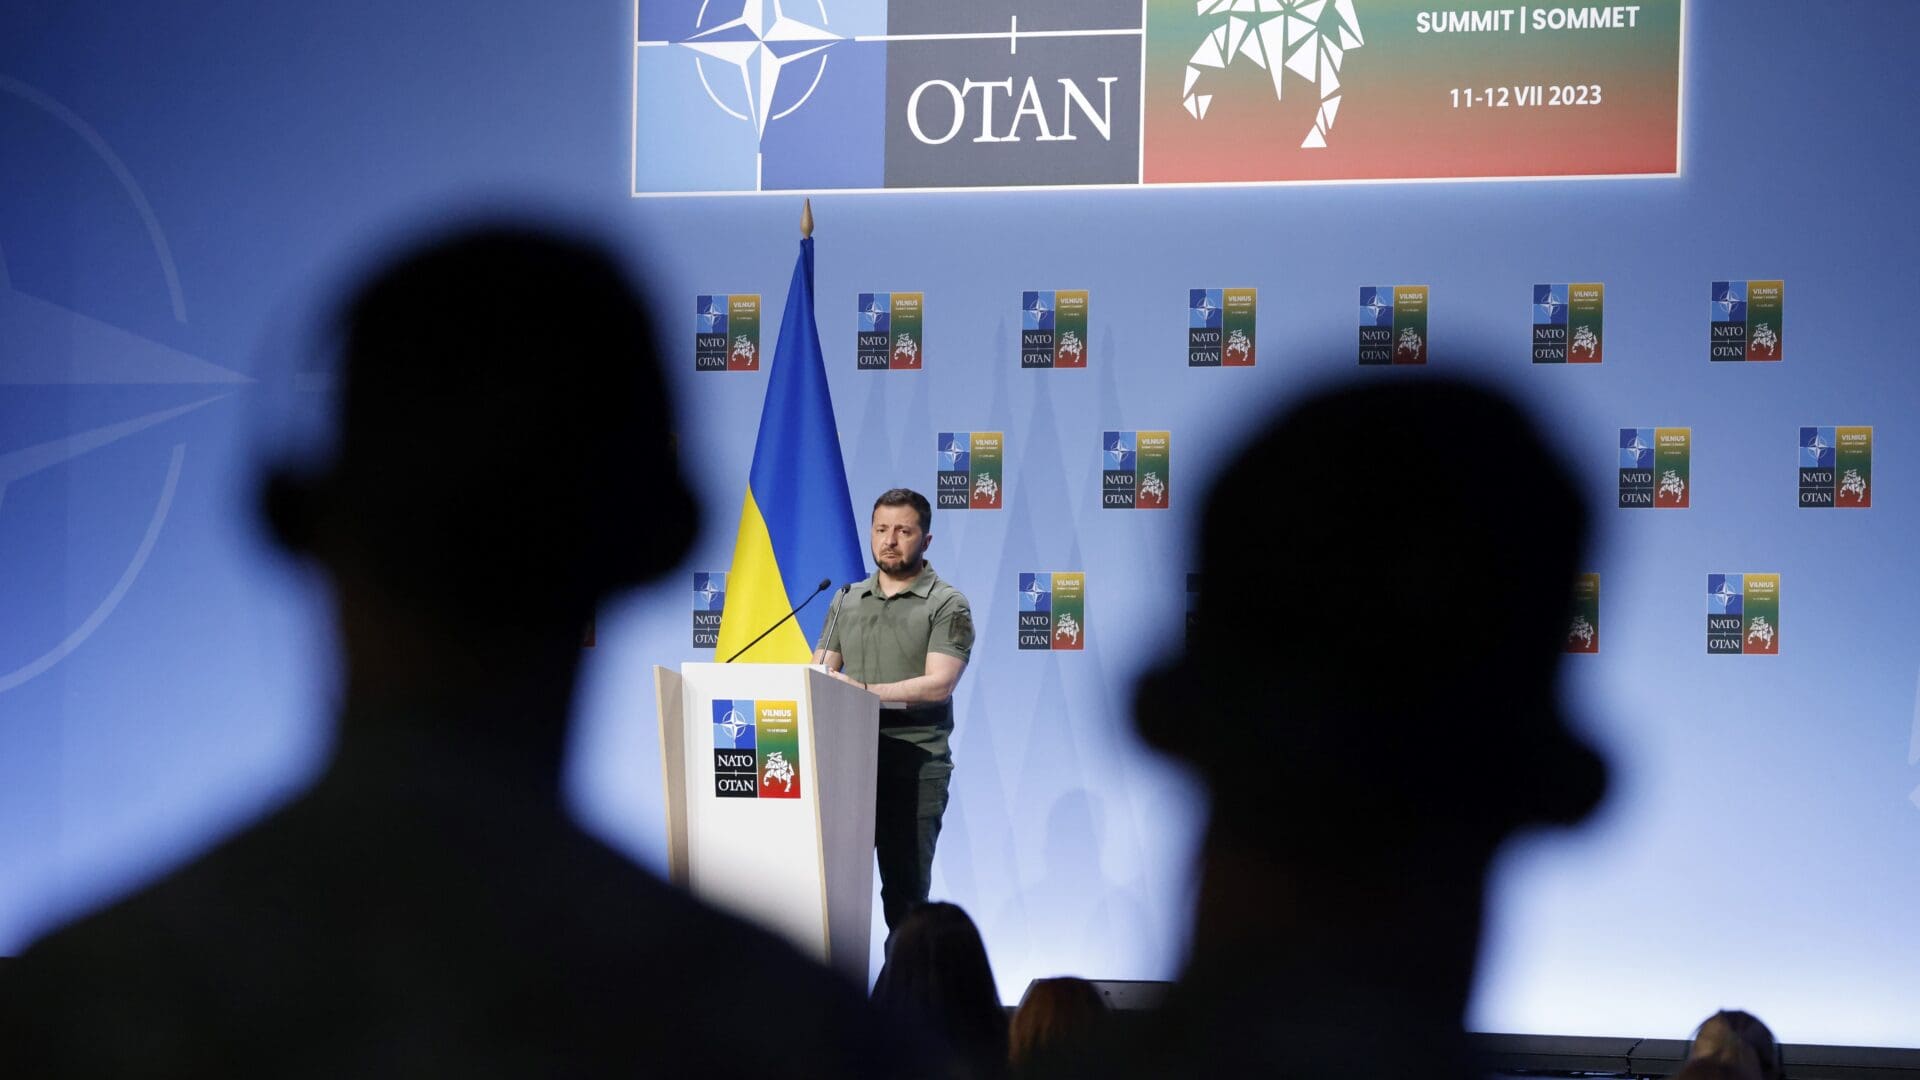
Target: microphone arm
833, 614
825, 584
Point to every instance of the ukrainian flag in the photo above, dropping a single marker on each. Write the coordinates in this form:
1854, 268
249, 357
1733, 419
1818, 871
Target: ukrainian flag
796, 523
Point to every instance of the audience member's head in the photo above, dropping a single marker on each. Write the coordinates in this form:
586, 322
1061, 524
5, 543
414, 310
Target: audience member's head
1386, 582
504, 454
937, 975
1737, 1066
1064, 1011
1402, 624
1735, 1036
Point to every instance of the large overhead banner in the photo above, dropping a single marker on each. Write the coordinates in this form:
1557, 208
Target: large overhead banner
746, 96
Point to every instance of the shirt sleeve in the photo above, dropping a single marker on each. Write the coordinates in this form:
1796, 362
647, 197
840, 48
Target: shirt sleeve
953, 629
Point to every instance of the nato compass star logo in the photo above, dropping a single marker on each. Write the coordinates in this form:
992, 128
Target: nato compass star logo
1635, 451
713, 316
759, 48
1815, 451
733, 724
1039, 314
1730, 301
1205, 312
874, 317
1035, 596
1118, 451
1552, 303
1724, 595
1373, 304
955, 452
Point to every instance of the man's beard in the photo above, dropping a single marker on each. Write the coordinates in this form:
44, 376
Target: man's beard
900, 566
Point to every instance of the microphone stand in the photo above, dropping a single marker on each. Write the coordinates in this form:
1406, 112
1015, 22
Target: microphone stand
825, 584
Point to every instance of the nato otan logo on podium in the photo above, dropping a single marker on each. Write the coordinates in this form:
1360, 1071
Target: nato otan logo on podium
1220, 327
1135, 469
1836, 467
1656, 470
726, 332
889, 337
1749, 321
1743, 614
1053, 328
756, 749
1567, 320
969, 470
1583, 624
1053, 610
1393, 324
709, 601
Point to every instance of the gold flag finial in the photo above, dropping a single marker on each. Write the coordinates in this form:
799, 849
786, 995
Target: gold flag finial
806, 219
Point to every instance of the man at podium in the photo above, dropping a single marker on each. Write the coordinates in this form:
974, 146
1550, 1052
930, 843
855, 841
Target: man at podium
904, 635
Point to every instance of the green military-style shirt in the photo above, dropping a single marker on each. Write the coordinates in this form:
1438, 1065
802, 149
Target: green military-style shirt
885, 639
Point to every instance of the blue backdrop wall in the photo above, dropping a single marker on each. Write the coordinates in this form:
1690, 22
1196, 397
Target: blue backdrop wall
181, 192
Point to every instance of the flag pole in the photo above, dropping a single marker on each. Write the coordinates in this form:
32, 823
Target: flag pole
806, 219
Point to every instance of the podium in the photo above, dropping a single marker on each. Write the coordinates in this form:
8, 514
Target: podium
769, 784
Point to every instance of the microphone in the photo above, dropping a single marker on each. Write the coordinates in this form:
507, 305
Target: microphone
834, 615
825, 584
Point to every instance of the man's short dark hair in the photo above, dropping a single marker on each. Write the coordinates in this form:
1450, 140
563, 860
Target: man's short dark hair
907, 497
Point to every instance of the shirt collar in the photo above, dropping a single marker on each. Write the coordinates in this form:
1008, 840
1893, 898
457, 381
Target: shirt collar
922, 586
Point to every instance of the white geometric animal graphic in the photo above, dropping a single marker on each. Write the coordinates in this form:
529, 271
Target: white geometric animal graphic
905, 346
1239, 343
1761, 630
743, 350
1409, 341
1279, 36
1763, 337
1068, 628
1852, 483
985, 485
1671, 484
1152, 487
1581, 629
1070, 346
1584, 338
779, 768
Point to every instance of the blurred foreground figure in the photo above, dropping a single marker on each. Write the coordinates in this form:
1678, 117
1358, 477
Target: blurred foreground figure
937, 978
504, 461
1370, 699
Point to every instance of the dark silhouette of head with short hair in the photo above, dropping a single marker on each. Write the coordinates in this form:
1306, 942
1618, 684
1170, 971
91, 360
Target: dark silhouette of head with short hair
505, 450
504, 461
1370, 698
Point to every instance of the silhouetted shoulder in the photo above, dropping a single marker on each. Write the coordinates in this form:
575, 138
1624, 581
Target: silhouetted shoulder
372, 930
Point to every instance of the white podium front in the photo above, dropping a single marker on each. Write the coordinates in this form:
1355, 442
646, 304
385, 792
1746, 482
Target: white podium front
769, 783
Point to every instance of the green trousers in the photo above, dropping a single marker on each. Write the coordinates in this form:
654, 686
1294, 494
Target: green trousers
910, 795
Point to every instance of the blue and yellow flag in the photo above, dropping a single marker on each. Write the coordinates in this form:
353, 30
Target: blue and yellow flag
796, 523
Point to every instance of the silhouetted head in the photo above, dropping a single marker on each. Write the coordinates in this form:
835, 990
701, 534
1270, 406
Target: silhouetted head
1056, 1013
937, 975
1386, 577
1737, 1037
505, 454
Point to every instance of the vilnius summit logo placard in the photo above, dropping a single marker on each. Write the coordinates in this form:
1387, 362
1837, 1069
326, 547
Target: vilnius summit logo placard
754, 96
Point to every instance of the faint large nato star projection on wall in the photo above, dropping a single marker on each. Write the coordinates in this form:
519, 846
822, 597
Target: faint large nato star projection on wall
50, 345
